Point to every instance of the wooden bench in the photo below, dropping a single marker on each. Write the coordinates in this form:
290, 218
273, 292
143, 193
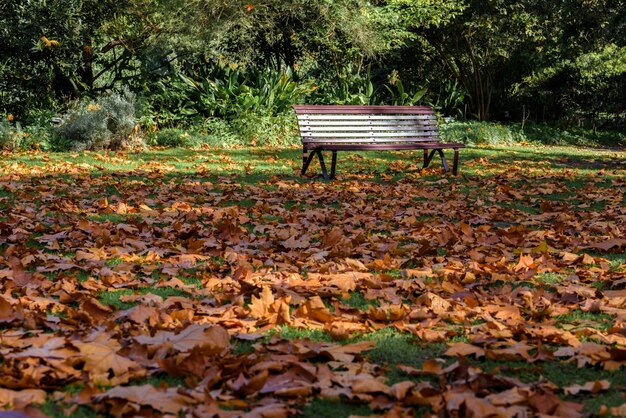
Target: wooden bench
365, 128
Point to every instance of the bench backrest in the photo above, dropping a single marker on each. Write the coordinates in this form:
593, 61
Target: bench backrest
322, 124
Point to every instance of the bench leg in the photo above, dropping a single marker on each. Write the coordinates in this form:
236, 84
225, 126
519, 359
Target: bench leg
455, 165
308, 157
428, 157
305, 157
443, 161
322, 164
306, 162
333, 165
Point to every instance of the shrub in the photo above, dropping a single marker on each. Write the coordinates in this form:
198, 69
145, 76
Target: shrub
109, 122
7, 135
220, 133
248, 130
260, 130
490, 133
480, 133
173, 137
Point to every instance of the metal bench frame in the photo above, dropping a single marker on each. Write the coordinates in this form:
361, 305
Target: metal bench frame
370, 128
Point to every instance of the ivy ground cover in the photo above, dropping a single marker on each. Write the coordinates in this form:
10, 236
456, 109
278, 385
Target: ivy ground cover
220, 283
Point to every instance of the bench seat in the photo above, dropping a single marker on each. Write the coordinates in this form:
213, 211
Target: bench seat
370, 128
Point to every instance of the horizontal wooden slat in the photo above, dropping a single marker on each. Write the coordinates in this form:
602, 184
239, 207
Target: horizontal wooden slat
373, 129
359, 110
369, 140
391, 122
395, 127
336, 116
365, 134
383, 146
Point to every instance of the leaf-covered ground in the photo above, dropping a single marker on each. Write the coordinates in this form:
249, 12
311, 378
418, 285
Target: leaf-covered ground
220, 283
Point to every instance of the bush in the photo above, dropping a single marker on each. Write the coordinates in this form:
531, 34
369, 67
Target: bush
489, 133
109, 122
260, 130
8, 135
248, 130
32, 137
173, 137
480, 133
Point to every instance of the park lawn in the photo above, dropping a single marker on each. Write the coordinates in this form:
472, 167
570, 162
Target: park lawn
219, 281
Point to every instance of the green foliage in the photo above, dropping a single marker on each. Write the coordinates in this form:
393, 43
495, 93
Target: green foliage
274, 31
480, 133
247, 130
588, 87
8, 135
451, 99
490, 133
219, 68
168, 103
106, 123
254, 129
175, 137
350, 86
230, 92
14, 137
399, 97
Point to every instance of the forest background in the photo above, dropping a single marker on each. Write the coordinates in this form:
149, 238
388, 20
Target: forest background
86, 74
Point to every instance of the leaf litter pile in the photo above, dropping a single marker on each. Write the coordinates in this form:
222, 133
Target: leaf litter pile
157, 291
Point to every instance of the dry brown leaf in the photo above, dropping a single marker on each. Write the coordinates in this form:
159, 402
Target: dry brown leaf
19, 399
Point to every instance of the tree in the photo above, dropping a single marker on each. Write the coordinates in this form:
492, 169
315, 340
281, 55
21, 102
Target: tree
579, 70
52, 50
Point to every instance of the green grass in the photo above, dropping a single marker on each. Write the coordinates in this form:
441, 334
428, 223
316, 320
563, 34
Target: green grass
358, 301
550, 278
112, 262
159, 381
242, 347
319, 408
5, 198
82, 276
291, 333
244, 203
618, 261
563, 374
112, 297
579, 319
114, 217
54, 409
191, 281
394, 348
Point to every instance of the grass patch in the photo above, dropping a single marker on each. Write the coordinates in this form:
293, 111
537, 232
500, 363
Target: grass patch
291, 333
161, 380
388, 203
394, 348
191, 281
54, 409
112, 297
242, 347
550, 278
115, 218
563, 374
618, 261
112, 262
318, 408
580, 319
357, 300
